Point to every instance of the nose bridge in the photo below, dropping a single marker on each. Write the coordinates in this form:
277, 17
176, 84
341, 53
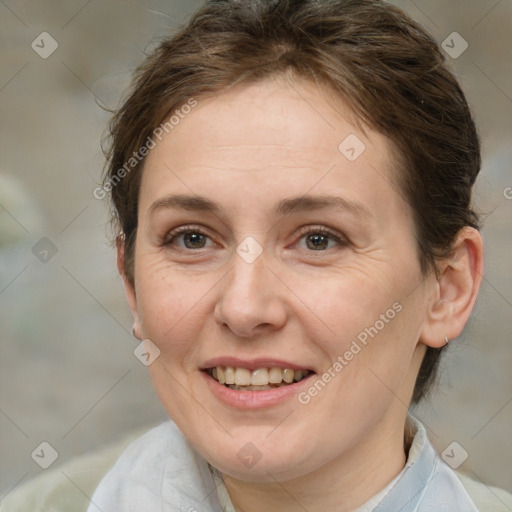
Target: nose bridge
249, 297
246, 283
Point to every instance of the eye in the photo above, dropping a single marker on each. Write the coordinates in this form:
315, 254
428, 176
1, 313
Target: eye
321, 239
188, 238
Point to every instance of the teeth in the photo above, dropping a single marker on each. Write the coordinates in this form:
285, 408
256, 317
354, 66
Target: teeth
230, 375
288, 375
275, 376
261, 378
242, 377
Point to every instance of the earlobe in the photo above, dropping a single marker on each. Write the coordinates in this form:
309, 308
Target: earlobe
459, 279
129, 289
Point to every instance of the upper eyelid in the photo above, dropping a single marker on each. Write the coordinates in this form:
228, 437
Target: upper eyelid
319, 229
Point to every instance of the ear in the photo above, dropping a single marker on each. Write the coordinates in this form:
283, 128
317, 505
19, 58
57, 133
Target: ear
458, 282
129, 289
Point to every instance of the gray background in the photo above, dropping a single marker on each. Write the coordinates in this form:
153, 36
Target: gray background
67, 371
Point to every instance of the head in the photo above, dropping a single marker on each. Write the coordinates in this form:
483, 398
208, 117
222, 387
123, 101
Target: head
296, 188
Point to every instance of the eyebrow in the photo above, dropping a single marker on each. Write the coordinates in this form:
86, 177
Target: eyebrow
284, 207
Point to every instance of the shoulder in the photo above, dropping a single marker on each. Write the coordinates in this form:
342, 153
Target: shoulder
485, 497
69, 486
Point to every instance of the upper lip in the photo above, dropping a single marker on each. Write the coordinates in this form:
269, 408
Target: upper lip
251, 364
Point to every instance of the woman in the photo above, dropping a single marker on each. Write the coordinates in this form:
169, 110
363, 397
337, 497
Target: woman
292, 184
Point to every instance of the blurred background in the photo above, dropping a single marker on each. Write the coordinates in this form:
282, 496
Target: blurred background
68, 375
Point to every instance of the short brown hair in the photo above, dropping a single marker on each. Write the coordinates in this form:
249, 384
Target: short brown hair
388, 70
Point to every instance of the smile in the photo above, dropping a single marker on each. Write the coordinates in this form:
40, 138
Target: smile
259, 379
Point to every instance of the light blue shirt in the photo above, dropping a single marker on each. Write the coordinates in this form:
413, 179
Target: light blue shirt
160, 471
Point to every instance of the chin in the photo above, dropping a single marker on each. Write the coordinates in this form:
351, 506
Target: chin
254, 457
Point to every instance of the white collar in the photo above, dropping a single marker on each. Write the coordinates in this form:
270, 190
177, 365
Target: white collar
162, 471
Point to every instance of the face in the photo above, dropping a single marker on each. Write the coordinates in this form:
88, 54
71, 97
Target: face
268, 256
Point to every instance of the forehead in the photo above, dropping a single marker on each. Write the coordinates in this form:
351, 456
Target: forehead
273, 139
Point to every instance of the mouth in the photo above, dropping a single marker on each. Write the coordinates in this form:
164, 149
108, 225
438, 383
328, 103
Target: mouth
259, 379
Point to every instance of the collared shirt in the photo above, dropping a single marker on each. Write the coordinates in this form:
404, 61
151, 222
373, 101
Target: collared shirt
161, 471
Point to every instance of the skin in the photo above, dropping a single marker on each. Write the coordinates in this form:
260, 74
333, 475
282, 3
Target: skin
247, 150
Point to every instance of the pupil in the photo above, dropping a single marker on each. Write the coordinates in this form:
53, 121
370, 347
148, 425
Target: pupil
194, 240
318, 241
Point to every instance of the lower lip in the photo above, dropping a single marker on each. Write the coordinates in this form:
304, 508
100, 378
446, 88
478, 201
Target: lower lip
253, 399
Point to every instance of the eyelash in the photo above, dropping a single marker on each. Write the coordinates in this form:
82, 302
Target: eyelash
306, 230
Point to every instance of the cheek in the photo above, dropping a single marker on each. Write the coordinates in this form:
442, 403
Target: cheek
171, 306
367, 318
348, 301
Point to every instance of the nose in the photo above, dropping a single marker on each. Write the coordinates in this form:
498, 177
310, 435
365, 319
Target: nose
251, 300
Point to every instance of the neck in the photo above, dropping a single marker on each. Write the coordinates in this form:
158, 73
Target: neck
341, 485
